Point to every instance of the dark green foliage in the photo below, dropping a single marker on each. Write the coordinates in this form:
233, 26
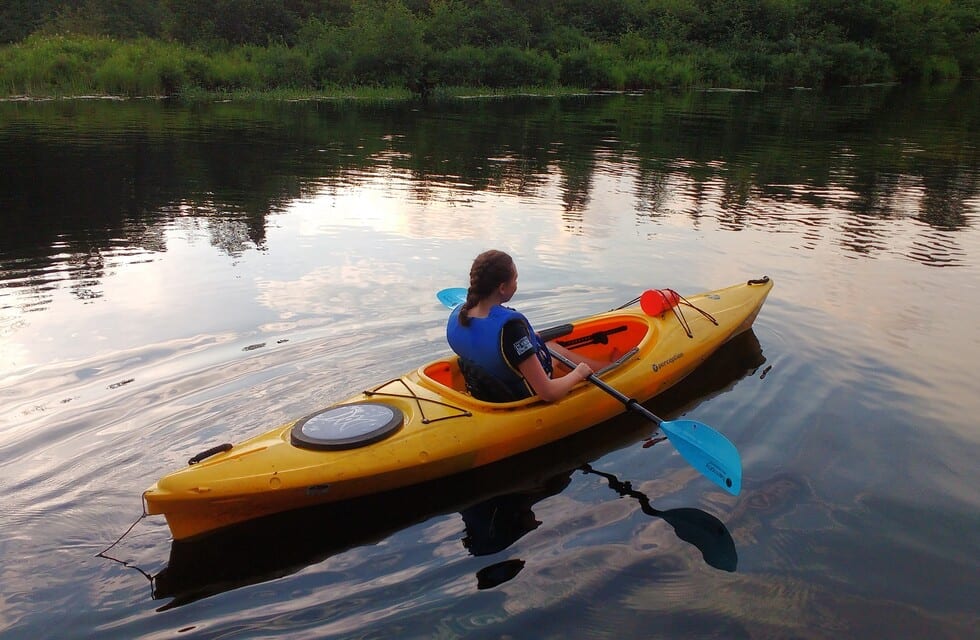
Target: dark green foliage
463, 66
385, 44
591, 68
234, 21
513, 67
322, 45
423, 44
494, 23
282, 67
21, 18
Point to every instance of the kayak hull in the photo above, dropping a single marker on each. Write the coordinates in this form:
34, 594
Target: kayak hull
444, 430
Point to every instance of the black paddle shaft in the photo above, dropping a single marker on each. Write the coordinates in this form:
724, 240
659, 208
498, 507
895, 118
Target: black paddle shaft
630, 403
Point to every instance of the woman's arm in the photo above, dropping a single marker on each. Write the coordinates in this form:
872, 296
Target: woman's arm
552, 389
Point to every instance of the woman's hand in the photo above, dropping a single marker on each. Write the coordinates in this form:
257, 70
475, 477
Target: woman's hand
552, 389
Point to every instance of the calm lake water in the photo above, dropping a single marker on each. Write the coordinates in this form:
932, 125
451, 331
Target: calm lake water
177, 276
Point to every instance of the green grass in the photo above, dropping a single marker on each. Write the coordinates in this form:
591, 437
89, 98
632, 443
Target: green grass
61, 66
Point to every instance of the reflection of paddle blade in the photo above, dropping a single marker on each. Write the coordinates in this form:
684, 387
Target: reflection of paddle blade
497, 574
707, 451
705, 532
691, 525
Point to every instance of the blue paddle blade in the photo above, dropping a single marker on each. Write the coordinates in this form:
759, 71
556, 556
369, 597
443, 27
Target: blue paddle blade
453, 297
707, 451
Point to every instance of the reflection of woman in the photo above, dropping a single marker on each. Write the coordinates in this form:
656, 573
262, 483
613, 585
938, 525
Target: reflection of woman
495, 524
496, 343
498, 522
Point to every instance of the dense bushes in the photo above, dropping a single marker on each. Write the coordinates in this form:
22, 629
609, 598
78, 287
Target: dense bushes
594, 67
139, 47
512, 67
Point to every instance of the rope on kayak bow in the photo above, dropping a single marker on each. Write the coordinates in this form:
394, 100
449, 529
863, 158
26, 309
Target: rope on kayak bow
687, 303
673, 300
411, 395
679, 314
627, 304
670, 299
104, 552
656, 302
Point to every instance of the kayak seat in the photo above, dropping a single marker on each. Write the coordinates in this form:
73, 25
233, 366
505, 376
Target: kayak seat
483, 385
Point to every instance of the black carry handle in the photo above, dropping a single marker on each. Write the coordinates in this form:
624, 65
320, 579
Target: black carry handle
221, 448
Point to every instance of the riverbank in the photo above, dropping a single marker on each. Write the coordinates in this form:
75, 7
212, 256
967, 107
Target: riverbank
395, 48
60, 66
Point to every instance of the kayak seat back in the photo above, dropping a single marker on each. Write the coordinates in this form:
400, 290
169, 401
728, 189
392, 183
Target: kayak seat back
445, 373
485, 386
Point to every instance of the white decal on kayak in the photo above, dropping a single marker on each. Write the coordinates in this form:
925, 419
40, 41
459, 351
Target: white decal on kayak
657, 366
523, 345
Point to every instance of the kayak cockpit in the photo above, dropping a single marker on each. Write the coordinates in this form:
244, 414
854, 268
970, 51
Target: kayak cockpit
613, 339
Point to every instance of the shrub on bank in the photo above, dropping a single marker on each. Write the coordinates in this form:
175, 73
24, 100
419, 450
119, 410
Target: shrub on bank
715, 69
513, 67
233, 70
384, 41
322, 46
660, 73
463, 66
938, 68
851, 63
144, 67
53, 64
593, 68
281, 67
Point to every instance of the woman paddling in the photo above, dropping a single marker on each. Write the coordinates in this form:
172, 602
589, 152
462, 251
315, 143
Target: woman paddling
501, 357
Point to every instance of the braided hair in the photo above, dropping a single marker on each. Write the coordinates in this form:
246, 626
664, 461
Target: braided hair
490, 270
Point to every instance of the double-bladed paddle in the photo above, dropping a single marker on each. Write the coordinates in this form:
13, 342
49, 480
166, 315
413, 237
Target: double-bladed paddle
705, 449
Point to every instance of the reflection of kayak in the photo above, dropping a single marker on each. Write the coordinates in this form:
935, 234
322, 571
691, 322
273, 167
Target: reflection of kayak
423, 425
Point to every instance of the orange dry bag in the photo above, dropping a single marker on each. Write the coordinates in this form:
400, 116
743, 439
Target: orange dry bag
656, 301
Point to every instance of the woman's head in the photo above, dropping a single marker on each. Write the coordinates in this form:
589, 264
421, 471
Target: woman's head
490, 270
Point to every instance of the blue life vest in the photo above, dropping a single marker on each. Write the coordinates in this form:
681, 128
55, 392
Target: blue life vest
482, 343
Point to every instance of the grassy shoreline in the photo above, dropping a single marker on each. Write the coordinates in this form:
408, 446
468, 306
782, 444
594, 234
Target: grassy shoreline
44, 66
389, 49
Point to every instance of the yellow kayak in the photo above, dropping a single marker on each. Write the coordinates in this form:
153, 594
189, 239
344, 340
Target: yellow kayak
424, 425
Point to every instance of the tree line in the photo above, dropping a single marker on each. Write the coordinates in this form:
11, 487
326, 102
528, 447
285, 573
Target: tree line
173, 46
